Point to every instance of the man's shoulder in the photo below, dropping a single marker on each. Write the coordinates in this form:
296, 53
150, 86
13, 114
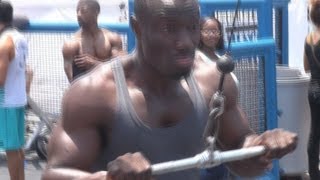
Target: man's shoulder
98, 76
207, 76
74, 39
5, 37
106, 31
92, 93
70, 48
111, 35
94, 82
204, 69
6, 42
208, 79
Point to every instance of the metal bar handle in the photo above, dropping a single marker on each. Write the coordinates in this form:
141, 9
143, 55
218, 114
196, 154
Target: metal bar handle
207, 159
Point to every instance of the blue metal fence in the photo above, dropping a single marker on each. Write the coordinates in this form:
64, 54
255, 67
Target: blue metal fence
262, 7
264, 50
281, 30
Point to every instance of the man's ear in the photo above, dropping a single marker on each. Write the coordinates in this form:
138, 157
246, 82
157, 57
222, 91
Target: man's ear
135, 26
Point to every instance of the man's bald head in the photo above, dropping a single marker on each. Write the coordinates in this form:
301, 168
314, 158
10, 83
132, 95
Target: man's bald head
147, 8
92, 4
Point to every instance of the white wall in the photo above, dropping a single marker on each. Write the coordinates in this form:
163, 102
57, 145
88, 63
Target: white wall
64, 10
298, 29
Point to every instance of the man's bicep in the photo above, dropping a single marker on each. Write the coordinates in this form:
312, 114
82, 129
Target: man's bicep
75, 149
69, 51
234, 122
6, 50
233, 129
76, 141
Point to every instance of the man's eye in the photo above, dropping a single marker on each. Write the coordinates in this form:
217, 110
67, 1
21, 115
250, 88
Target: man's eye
84, 10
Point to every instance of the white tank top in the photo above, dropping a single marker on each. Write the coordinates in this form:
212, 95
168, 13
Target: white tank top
13, 94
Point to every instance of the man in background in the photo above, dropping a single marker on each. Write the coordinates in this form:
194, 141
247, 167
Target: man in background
91, 45
13, 53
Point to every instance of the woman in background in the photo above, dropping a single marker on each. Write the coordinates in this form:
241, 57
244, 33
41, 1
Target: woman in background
211, 39
312, 65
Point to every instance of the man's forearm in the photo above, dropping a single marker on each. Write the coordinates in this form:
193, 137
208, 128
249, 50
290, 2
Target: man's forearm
67, 174
246, 168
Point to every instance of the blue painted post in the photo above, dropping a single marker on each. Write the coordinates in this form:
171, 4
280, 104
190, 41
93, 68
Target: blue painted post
282, 5
265, 27
60, 27
265, 48
131, 36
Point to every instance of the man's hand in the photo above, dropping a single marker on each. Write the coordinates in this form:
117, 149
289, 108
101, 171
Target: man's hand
85, 61
277, 142
129, 167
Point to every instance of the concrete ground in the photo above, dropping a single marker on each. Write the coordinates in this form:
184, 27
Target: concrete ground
33, 167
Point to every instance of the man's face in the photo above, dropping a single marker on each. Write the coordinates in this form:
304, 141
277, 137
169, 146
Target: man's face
85, 14
170, 35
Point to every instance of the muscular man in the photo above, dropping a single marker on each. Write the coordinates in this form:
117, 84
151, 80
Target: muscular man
91, 45
13, 52
154, 101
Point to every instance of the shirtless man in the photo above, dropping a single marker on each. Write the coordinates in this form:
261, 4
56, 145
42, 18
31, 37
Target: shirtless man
155, 102
91, 45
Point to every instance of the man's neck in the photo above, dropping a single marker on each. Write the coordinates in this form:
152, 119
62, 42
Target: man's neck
90, 29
